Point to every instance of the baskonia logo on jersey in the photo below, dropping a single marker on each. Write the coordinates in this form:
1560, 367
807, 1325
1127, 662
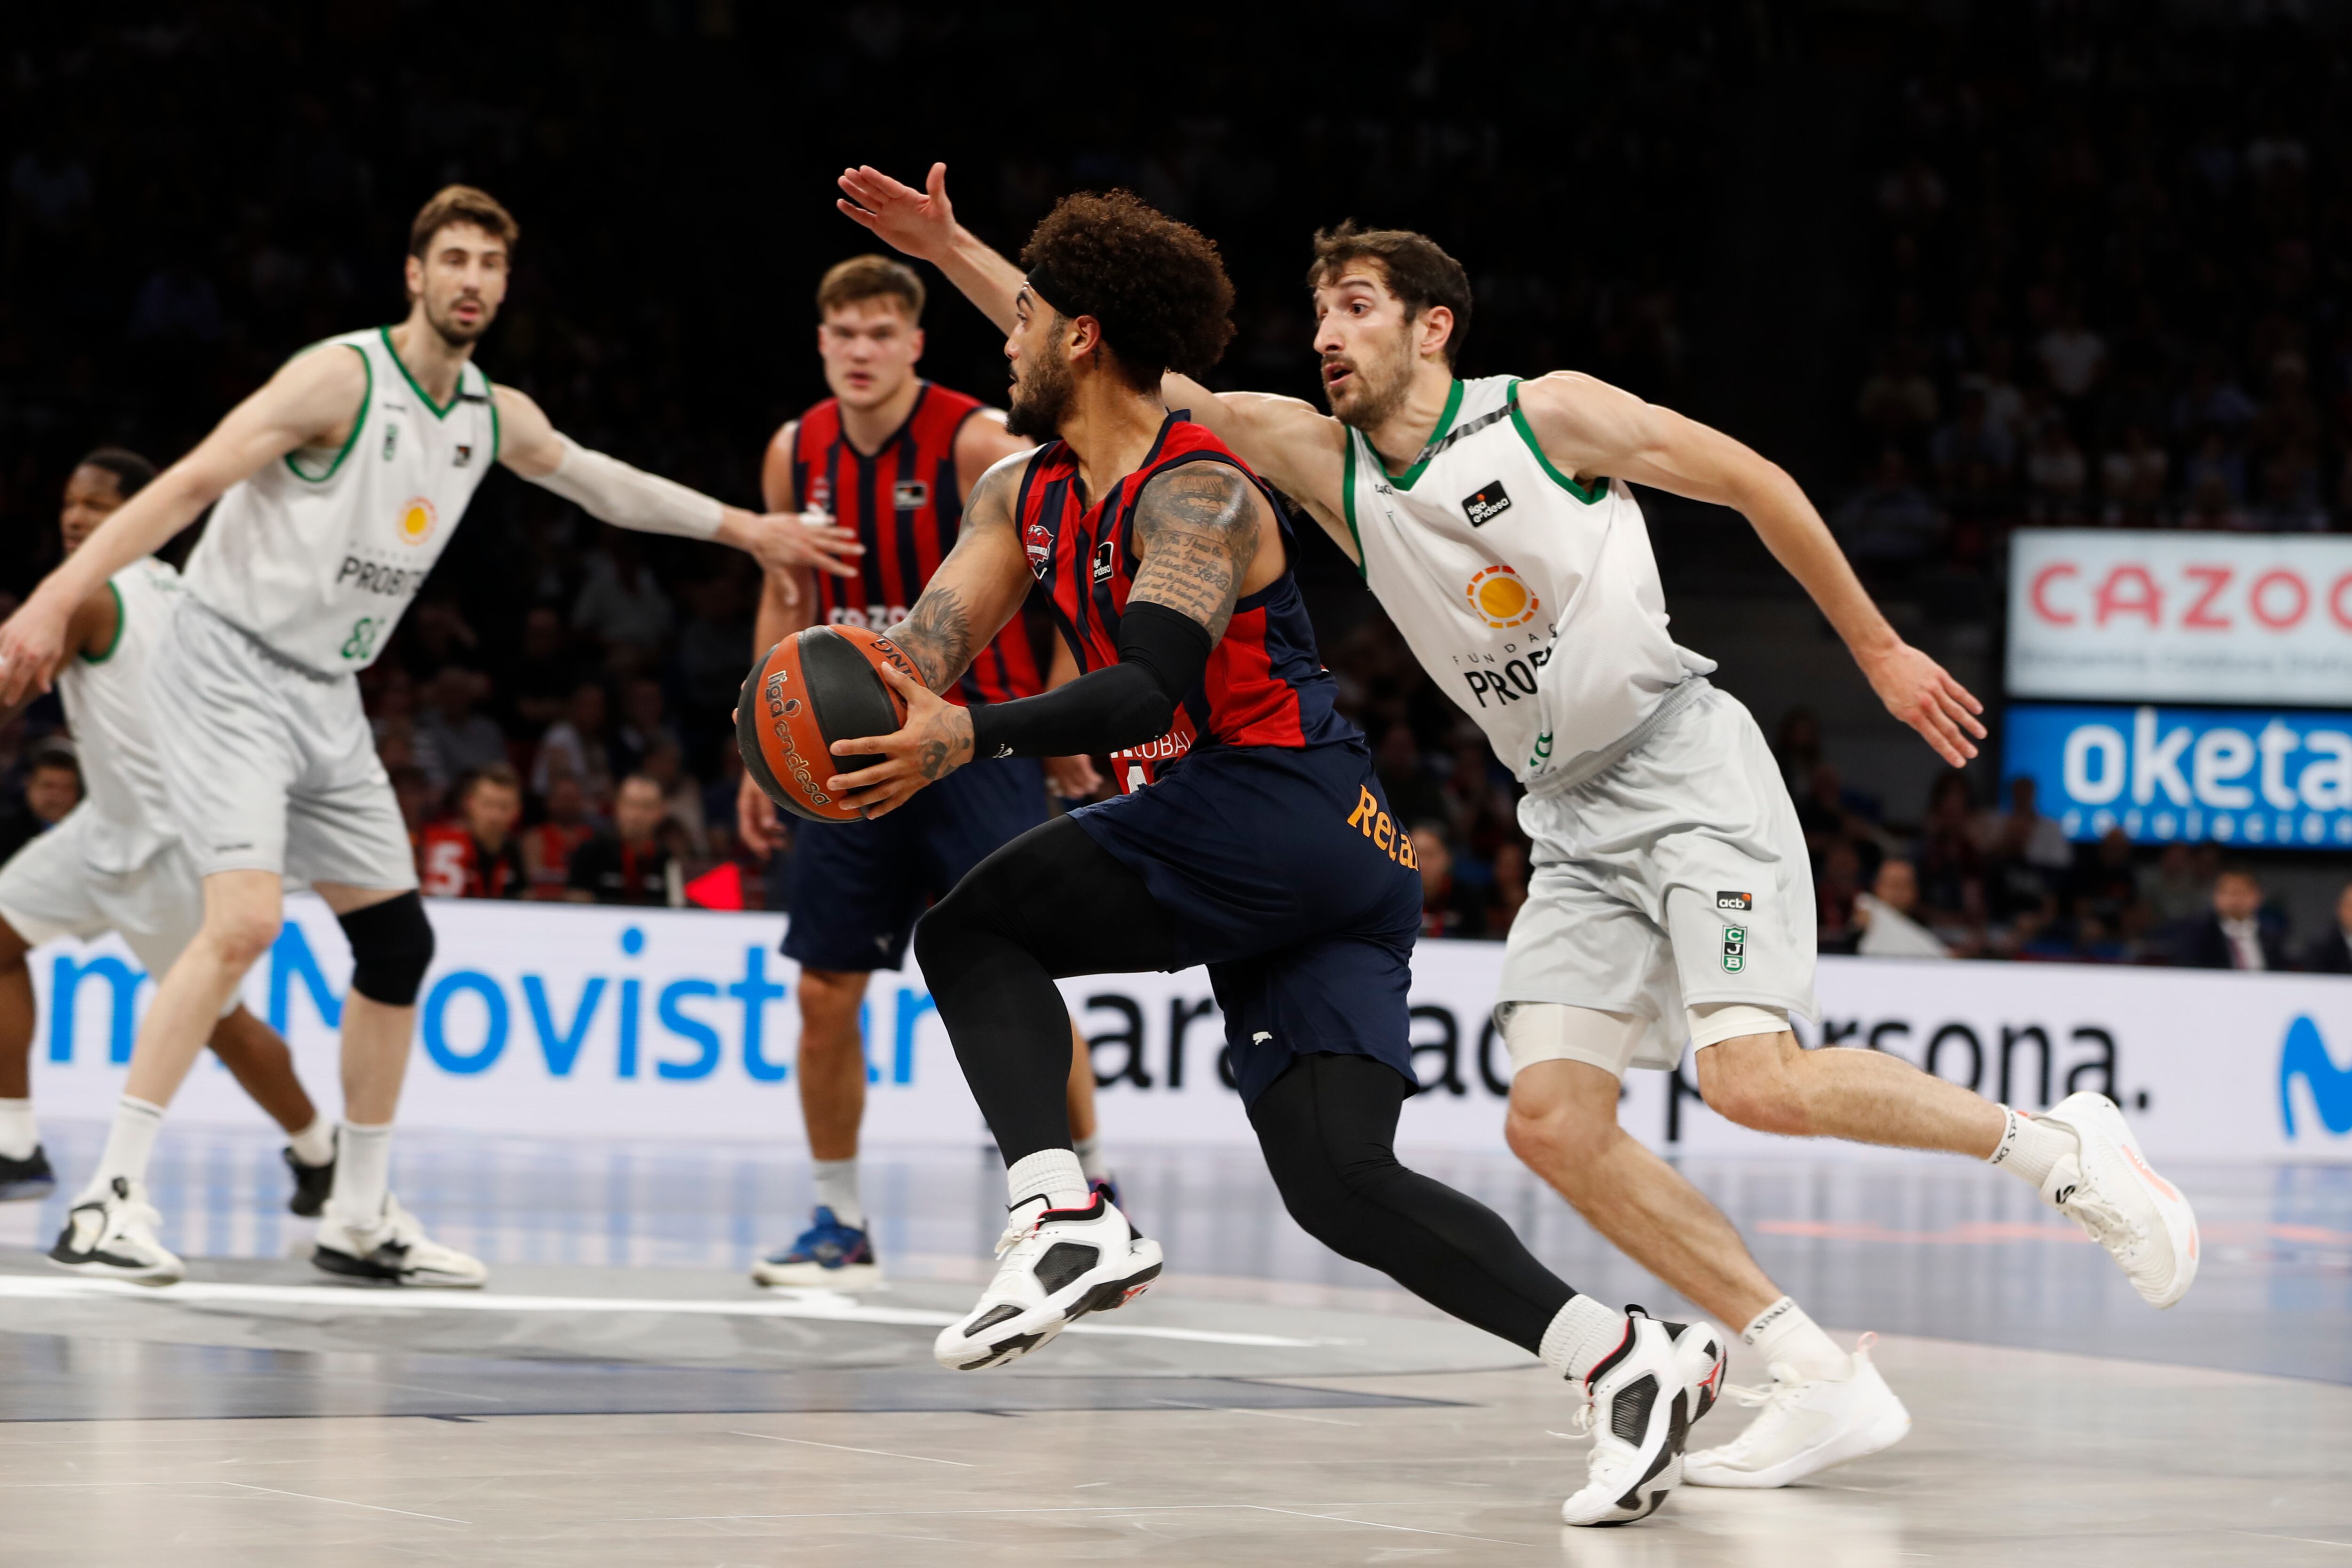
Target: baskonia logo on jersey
1037, 543
1487, 503
416, 519
908, 495
1500, 599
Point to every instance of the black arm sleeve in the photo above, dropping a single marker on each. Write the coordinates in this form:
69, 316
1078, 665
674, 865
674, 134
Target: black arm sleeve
1161, 654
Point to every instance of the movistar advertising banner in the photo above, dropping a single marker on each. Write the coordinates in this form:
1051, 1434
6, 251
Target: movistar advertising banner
2260, 777
558, 1020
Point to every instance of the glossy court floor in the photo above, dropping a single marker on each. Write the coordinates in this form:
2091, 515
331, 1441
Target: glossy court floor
622, 1396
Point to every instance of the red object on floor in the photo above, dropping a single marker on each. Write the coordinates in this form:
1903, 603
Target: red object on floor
721, 887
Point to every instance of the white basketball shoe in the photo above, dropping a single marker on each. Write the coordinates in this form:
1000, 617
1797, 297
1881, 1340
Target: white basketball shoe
1699, 1348
113, 1237
1058, 1265
2120, 1203
1806, 1426
390, 1248
1637, 1408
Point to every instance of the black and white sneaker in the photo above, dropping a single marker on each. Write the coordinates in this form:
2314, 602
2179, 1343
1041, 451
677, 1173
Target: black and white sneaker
391, 1249
113, 1237
1638, 1410
1699, 1348
28, 1178
312, 1187
1058, 1265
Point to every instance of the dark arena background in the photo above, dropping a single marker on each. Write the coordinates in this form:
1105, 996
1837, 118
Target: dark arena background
2046, 306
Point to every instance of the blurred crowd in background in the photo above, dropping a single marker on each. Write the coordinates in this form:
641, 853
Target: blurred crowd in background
2089, 265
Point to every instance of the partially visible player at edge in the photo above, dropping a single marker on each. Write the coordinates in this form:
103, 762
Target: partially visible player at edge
892, 457
338, 484
1672, 896
114, 863
1253, 837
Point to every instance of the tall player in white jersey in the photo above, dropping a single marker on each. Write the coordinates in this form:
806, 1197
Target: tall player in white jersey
1671, 896
338, 484
114, 862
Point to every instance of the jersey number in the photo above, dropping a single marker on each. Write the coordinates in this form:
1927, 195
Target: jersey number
361, 639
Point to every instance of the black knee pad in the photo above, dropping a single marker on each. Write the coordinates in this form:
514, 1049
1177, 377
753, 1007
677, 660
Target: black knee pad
391, 947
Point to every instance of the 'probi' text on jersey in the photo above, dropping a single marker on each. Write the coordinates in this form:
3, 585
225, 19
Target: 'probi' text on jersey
317, 555
1532, 600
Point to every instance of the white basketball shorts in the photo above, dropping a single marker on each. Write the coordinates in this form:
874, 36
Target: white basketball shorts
271, 767
48, 890
1670, 874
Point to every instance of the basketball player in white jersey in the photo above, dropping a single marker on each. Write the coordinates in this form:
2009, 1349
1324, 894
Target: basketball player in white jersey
1671, 896
115, 864
337, 485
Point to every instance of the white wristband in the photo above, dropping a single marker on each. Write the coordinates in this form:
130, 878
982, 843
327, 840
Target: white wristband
608, 488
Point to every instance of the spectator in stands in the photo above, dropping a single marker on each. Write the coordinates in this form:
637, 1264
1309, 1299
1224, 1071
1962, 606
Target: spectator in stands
2174, 890
1449, 906
1888, 915
548, 845
630, 864
1797, 748
2235, 934
419, 801
1835, 891
2332, 954
1950, 865
681, 797
577, 745
453, 740
2132, 479
1890, 521
2105, 894
2056, 474
645, 727
1971, 439
2073, 356
1414, 795
537, 687
1510, 885
477, 855
52, 789
621, 606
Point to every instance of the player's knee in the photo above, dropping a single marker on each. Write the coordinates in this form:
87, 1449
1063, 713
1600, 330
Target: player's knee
962, 930
1753, 1093
391, 947
1556, 1139
829, 1003
240, 936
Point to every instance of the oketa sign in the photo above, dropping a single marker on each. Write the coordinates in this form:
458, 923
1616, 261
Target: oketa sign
560, 1021
2107, 615
2263, 779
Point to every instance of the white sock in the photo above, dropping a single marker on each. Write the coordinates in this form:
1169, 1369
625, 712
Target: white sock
1781, 1333
1089, 1151
836, 1189
1053, 1174
1579, 1336
314, 1146
128, 1143
2033, 1147
19, 1134
363, 1170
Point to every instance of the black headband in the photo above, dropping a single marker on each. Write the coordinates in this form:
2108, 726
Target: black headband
1063, 296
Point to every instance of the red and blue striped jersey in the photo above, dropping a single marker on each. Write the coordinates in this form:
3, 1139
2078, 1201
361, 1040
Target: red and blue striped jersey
1265, 684
907, 506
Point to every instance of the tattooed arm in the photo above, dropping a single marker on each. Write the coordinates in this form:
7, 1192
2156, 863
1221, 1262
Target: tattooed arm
1199, 532
977, 588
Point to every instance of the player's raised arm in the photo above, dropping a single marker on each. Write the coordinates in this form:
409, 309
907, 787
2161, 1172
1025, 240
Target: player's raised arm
612, 491
1589, 427
923, 224
1295, 448
311, 400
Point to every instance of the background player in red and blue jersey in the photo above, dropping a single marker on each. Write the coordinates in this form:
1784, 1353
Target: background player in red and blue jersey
1253, 836
892, 457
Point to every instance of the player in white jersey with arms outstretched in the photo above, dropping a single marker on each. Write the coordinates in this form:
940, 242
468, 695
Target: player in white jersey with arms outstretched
338, 484
115, 863
1671, 898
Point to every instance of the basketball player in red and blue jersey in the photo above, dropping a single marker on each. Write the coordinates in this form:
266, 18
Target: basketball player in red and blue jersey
891, 456
1253, 836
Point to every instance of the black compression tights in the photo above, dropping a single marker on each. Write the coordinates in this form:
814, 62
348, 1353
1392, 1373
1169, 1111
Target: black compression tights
1053, 903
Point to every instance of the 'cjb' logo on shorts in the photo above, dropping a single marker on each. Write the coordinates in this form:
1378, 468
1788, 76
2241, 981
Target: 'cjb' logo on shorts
1735, 949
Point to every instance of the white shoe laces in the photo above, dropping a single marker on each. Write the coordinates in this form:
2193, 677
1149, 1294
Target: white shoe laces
2104, 1222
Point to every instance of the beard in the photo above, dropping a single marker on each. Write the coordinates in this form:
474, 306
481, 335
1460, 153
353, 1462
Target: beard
1040, 398
452, 332
1379, 389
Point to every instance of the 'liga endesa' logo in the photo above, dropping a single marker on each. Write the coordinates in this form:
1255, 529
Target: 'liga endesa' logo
781, 708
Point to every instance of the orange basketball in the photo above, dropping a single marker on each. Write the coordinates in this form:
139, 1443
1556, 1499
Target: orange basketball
810, 690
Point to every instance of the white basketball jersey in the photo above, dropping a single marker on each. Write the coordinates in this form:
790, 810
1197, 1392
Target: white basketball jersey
317, 557
108, 710
1532, 600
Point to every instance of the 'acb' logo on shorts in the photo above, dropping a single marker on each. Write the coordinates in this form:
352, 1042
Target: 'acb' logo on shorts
1735, 949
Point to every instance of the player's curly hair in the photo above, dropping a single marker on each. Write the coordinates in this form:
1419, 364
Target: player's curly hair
1158, 286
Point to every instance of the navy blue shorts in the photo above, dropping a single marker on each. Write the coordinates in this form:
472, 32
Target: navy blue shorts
857, 888
1286, 875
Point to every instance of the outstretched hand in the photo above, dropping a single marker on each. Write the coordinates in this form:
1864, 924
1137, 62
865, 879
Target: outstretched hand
934, 742
32, 640
1923, 695
920, 222
784, 542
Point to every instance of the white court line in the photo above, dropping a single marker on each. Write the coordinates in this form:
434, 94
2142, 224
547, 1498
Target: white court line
815, 1305
845, 1448
338, 1501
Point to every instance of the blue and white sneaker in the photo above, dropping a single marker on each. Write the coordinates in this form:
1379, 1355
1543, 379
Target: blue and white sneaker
827, 1253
